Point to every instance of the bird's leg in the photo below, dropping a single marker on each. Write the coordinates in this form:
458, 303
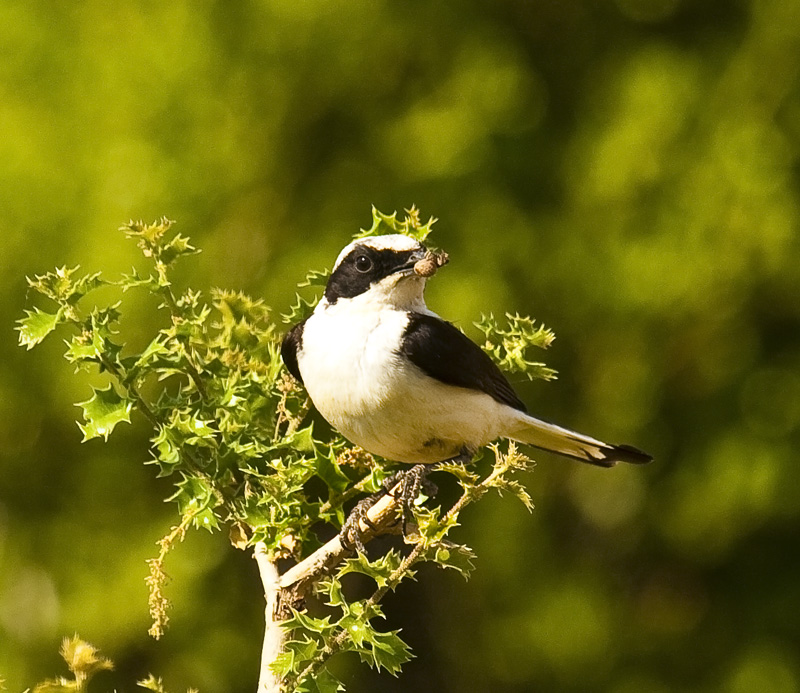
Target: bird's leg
411, 482
350, 534
415, 480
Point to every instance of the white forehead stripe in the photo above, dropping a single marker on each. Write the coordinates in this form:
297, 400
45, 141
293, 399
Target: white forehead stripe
395, 241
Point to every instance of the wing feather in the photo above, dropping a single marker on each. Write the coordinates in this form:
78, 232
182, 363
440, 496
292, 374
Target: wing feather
443, 352
292, 342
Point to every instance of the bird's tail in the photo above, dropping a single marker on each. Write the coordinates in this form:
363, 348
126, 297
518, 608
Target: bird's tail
562, 441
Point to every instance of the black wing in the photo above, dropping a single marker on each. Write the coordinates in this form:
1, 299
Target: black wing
443, 352
291, 344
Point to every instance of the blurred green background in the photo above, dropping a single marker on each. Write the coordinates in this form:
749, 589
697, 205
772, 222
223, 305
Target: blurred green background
624, 170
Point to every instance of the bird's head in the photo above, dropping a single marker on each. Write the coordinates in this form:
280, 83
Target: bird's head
383, 269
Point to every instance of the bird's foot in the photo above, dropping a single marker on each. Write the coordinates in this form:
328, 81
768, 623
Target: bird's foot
351, 533
405, 487
410, 484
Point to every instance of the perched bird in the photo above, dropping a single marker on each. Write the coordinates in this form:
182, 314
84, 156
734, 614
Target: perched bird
401, 382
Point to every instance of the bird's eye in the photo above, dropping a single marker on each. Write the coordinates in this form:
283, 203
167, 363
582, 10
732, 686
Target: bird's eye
363, 263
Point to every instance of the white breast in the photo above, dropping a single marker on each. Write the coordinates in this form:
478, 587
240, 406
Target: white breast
378, 400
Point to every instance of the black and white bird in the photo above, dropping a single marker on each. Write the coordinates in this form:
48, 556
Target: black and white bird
399, 381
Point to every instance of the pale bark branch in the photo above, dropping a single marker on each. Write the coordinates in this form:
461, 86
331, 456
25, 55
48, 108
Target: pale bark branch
287, 590
381, 517
274, 635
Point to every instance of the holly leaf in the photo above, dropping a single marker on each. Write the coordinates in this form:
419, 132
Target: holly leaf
411, 225
301, 309
309, 624
36, 326
459, 470
514, 487
456, 556
103, 412
330, 472
151, 683
379, 650
315, 278
195, 498
322, 682
175, 248
379, 570
82, 658
327, 682
301, 440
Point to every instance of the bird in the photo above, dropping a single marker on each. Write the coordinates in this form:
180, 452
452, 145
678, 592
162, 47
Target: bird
399, 381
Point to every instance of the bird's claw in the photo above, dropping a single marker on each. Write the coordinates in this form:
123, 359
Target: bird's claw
404, 487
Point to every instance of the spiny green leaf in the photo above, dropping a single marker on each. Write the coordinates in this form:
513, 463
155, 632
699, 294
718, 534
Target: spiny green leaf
300, 310
34, 328
81, 348
379, 650
135, 280
322, 682
155, 354
459, 471
296, 654
84, 285
410, 226
379, 570
168, 455
433, 528
375, 480
309, 624
303, 307
103, 411
332, 587
149, 236
509, 345
283, 664
512, 458
315, 278
59, 685
60, 286
456, 556
83, 658
151, 683
175, 248
195, 498
301, 440
512, 486
329, 471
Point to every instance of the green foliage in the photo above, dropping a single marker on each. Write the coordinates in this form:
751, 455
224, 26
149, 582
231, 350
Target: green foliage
303, 306
83, 660
411, 225
229, 427
103, 412
151, 683
37, 326
509, 345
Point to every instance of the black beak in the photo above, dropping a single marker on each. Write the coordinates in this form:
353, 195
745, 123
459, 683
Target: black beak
413, 258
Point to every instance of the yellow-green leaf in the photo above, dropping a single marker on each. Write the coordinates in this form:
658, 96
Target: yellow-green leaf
34, 328
103, 412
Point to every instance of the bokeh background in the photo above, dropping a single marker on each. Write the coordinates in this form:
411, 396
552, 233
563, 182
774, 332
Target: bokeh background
624, 170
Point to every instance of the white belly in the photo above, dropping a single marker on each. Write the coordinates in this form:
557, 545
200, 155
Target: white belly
380, 401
